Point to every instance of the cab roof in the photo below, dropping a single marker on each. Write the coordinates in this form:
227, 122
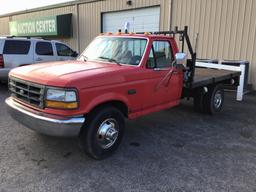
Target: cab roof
136, 35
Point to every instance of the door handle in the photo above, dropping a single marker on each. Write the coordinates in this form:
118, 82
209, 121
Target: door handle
39, 59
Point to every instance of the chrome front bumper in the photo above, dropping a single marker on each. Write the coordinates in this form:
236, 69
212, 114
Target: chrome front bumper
45, 123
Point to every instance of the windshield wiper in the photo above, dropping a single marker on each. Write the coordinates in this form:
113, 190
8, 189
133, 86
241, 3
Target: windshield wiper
110, 60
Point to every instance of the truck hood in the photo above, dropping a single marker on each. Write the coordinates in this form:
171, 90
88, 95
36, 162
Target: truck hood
65, 73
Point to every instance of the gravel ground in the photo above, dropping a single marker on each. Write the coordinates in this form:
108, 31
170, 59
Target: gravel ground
176, 150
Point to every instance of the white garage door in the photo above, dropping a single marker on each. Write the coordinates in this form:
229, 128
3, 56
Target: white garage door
139, 20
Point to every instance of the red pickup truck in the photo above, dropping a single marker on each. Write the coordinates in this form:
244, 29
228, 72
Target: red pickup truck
118, 76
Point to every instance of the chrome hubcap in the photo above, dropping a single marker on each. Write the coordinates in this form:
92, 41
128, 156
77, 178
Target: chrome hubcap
107, 133
217, 99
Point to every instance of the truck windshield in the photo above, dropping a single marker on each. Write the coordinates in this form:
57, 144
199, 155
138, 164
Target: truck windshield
116, 50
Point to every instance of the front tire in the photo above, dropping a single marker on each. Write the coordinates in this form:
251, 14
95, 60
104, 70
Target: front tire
103, 132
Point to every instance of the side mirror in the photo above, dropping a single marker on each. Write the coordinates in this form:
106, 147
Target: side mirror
74, 54
180, 58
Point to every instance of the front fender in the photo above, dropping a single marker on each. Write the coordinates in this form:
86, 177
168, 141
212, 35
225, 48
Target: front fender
104, 98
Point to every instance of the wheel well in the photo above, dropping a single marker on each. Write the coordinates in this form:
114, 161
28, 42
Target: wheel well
117, 104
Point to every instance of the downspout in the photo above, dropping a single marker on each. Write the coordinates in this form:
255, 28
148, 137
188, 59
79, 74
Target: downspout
170, 14
78, 28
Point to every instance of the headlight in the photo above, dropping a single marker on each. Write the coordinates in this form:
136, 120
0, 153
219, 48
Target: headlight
61, 98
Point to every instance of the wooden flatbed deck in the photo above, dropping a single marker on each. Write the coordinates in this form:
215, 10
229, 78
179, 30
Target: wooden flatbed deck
205, 76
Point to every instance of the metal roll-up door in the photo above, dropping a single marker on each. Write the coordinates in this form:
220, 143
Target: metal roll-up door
139, 20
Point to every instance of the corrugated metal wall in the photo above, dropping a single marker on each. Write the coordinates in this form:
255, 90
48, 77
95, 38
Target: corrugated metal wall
89, 20
226, 28
4, 26
90, 15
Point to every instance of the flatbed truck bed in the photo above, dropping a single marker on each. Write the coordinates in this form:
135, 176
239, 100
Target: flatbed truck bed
206, 76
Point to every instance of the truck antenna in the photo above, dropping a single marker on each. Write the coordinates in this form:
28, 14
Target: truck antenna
197, 39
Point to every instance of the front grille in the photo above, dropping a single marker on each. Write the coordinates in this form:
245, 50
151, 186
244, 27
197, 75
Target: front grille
27, 92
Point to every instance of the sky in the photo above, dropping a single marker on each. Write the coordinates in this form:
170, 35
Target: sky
9, 6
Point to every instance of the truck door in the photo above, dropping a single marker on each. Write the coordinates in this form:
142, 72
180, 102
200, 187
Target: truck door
44, 52
165, 81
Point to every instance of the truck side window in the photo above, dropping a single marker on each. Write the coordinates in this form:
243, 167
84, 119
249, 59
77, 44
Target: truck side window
44, 48
163, 54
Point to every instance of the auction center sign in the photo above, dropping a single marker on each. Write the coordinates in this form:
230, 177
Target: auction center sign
59, 25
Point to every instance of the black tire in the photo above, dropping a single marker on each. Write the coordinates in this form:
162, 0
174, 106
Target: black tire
92, 141
199, 101
214, 99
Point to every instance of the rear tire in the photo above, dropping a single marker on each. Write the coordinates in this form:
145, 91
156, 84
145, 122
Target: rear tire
102, 133
214, 99
199, 101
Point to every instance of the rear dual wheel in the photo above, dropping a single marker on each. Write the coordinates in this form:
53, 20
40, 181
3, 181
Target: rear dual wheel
214, 99
210, 102
199, 100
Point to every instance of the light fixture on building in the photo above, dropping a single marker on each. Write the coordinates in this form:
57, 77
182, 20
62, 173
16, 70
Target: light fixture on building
129, 2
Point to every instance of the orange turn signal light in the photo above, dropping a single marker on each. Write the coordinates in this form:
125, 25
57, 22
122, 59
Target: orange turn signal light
147, 33
61, 105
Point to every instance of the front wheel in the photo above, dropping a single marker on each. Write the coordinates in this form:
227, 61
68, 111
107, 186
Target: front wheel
102, 133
